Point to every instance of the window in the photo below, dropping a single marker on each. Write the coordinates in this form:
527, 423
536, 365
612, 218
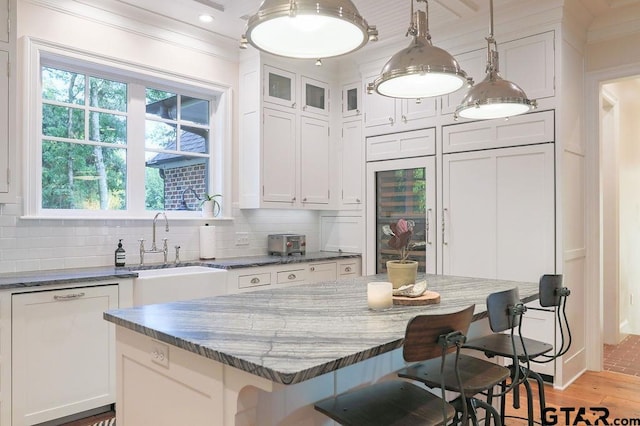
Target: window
113, 143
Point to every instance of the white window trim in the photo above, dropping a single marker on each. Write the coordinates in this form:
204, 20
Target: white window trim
221, 144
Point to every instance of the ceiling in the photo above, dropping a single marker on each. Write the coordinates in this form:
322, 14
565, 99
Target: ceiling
391, 17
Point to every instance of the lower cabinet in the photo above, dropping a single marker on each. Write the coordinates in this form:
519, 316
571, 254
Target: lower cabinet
63, 352
276, 276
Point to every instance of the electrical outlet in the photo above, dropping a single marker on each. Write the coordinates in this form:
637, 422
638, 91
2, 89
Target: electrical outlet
160, 354
242, 238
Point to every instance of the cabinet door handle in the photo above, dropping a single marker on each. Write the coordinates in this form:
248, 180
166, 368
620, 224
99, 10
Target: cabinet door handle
404, 119
357, 112
391, 120
445, 213
293, 199
428, 226
358, 200
293, 105
304, 108
292, 276
255, 280
304, 200
69, 296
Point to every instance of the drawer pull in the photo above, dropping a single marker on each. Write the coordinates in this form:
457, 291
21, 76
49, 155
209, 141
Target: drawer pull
292, 276
347, 269
255, 280
70, 296
313, 268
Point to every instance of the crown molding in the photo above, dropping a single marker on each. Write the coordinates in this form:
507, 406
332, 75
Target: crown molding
137, 21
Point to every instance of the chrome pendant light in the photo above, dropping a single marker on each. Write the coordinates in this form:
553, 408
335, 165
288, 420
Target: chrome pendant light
421, 70
308, 29
494, 97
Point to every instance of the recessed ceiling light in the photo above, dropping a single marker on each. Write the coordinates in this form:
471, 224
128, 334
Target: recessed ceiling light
205, 18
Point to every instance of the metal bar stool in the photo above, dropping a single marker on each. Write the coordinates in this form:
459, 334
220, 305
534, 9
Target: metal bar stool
505, 314
399, 402
477, 376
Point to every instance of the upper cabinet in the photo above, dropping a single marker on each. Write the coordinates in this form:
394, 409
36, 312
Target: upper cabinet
388, 115
7, 101
279, 87
285, 139
351, 100
528, 62
4, 21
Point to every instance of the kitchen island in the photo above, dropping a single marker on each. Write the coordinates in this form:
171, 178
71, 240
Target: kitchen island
265, 357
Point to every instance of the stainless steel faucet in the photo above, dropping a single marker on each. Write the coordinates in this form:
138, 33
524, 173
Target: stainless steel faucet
154, 248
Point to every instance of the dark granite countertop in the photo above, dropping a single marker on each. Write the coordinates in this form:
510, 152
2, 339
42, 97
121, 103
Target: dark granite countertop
76, 275
293, 334
62, 276
254, 261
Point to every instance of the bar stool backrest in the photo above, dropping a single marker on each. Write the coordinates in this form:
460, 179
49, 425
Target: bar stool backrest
499, 308
423, 331
550, 294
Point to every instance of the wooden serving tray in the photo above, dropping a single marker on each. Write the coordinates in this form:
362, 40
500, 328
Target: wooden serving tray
428, 298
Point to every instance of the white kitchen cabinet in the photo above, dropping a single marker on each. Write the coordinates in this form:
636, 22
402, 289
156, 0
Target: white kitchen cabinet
4, 21
279, 87
285, 147
351, 100
524, 129
279, 157
530, 63
323, 271
351, 161
314, 96
275, 276
4, 123
63, 352
386, 115
498, 213
7, 101
417, 143
314, 161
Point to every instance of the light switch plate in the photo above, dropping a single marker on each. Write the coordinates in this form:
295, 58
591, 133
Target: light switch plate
242, 238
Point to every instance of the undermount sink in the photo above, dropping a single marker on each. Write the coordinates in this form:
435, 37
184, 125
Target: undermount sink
180, 283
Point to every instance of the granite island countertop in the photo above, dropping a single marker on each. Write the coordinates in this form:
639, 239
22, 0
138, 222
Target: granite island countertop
78, 275
294, 334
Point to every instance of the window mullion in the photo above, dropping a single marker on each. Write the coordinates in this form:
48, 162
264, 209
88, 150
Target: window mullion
135, 152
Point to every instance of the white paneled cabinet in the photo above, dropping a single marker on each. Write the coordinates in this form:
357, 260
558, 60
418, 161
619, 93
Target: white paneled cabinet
275, 276
7, 101
498, 213
63, 352
315, 169
285, 146
4, 21
525, 129
351, 100
279, 159
387, 115
351, 162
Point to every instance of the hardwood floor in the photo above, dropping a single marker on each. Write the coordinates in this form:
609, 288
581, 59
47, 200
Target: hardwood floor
618, 393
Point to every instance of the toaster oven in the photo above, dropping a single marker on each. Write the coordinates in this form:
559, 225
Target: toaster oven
286, 244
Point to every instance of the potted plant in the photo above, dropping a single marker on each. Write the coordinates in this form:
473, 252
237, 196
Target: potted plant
210, 206
401, 271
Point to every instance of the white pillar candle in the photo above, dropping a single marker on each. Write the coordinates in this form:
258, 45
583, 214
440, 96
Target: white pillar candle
379, 295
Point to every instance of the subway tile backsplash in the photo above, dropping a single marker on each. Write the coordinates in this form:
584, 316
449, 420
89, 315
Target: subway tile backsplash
32, 244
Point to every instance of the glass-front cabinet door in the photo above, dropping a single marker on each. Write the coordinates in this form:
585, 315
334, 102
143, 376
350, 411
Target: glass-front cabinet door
401, 190
279, 87
351, 100
315, 96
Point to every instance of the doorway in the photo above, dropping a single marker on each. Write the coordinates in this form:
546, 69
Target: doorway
614, 288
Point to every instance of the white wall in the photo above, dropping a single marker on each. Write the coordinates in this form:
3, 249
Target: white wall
28, 244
